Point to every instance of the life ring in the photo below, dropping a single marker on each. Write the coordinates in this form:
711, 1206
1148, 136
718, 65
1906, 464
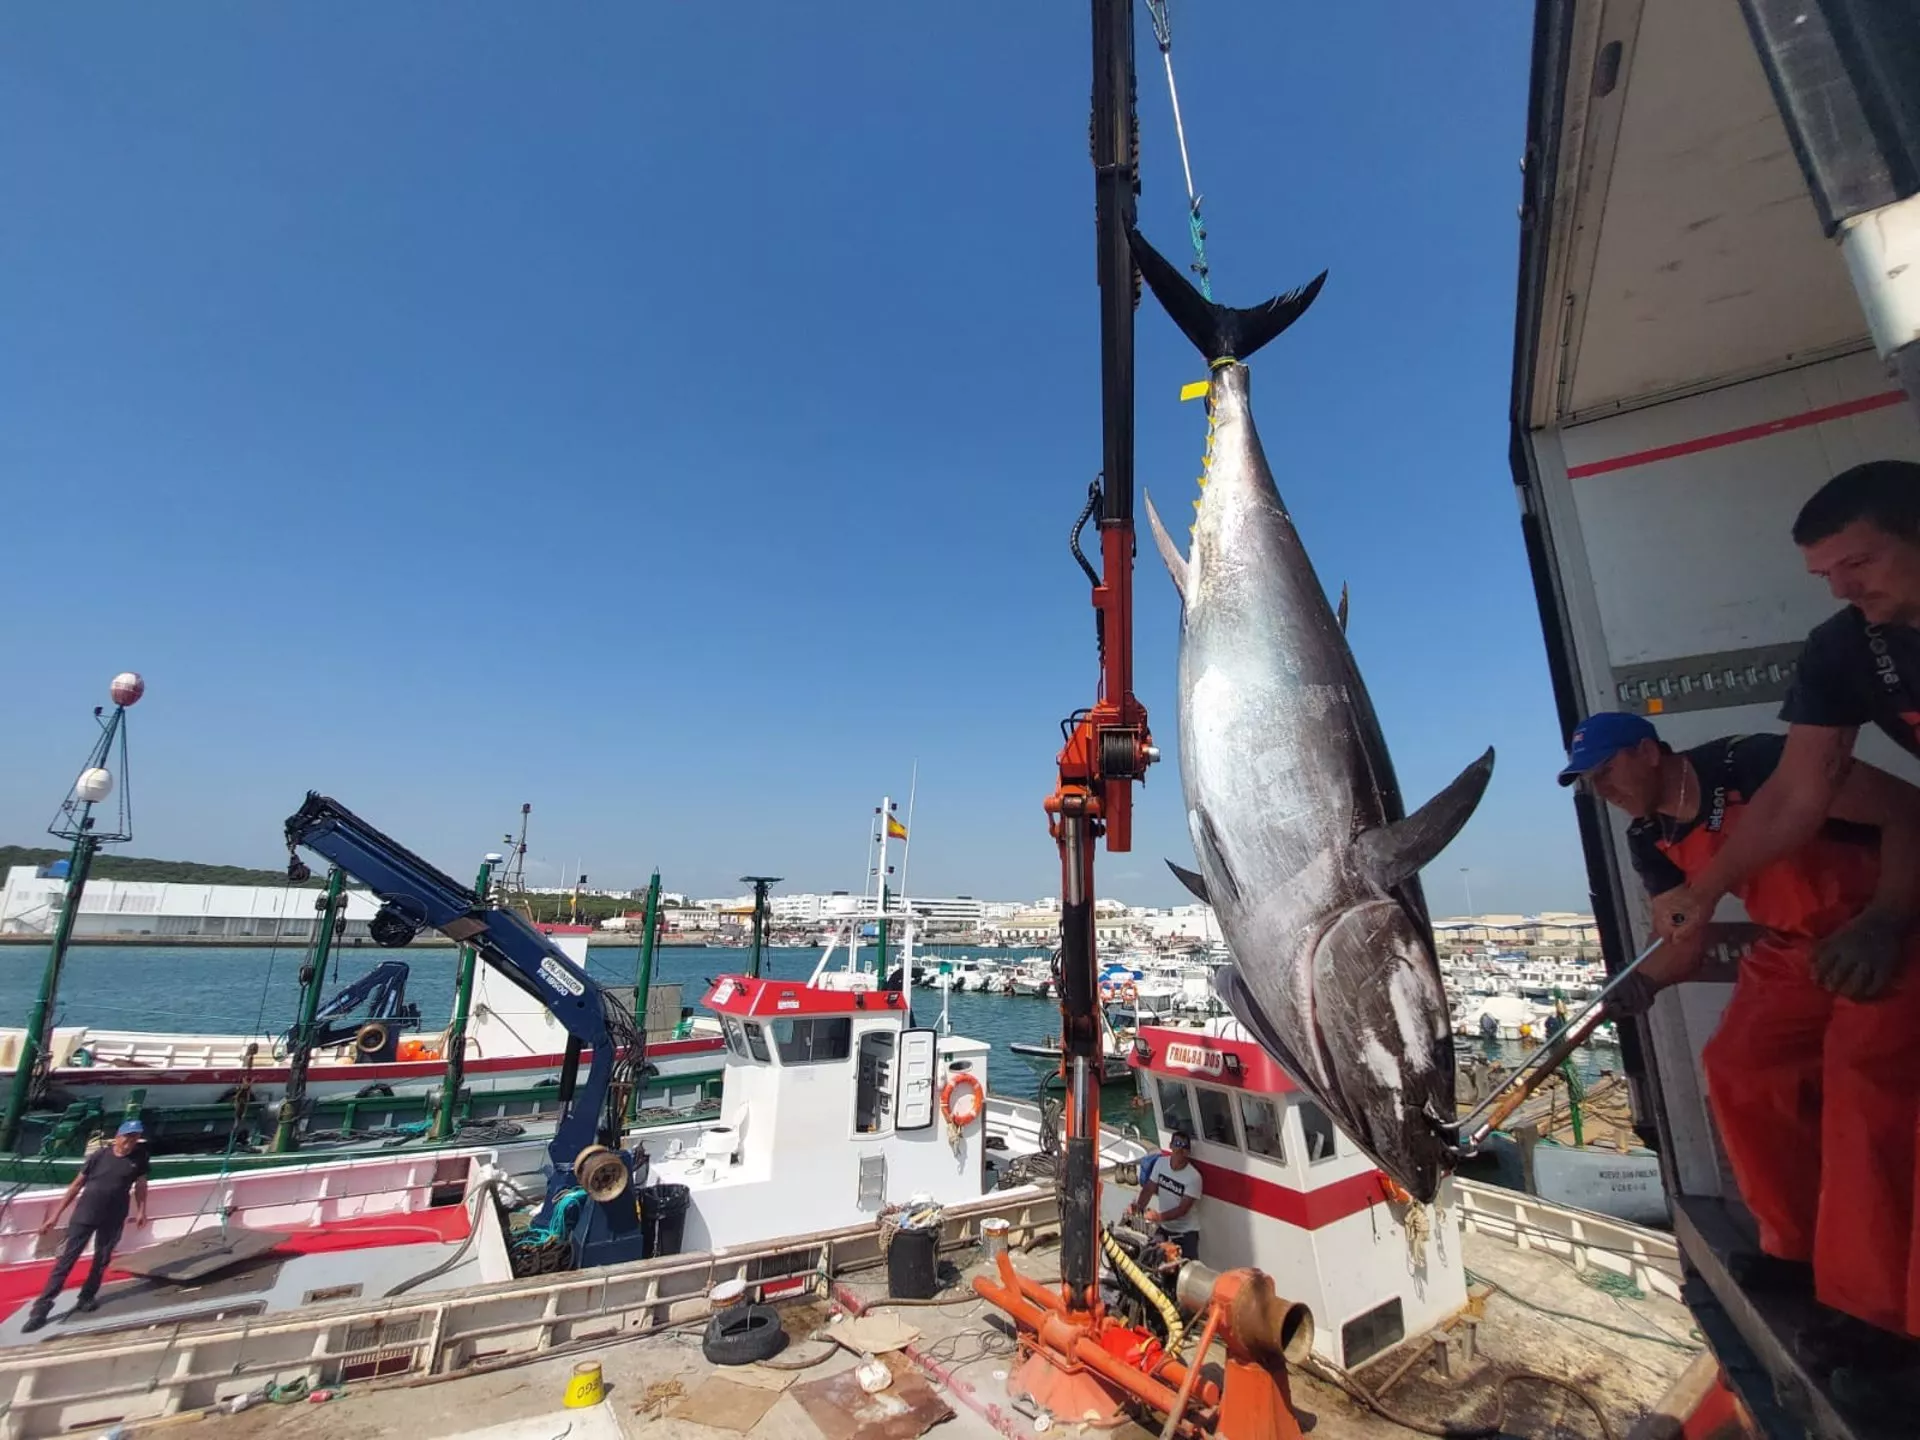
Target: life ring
1128, 993
1106, 990
962, 1100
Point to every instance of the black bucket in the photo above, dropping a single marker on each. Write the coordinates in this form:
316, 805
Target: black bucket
663, 1219
913, 1264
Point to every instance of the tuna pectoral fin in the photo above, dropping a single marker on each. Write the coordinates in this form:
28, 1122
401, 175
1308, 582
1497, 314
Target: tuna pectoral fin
1391, 854
1341, 613
1218, 331
1192, 879
1213, 859
1169, 552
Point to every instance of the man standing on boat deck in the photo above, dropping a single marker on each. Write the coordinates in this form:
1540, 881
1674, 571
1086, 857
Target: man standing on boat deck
1813, 1078
111, 1176
1170, 1193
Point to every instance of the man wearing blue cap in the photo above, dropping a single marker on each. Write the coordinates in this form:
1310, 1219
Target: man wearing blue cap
1813, 1076
112, 1175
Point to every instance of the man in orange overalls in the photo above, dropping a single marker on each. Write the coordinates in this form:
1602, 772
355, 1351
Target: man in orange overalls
1815, 1092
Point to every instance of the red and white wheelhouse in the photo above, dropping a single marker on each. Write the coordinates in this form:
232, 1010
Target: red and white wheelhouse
1287, 1192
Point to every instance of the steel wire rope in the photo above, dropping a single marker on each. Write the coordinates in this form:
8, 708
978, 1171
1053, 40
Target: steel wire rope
1196, 227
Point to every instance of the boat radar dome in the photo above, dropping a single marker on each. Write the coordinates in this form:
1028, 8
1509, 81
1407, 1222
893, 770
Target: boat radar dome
94, 785
127, 687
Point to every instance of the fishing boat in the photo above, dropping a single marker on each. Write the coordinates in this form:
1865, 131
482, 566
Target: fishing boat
1033, 976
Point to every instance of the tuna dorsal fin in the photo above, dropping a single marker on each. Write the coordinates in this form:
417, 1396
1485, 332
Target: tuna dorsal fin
1169, 552
1341, 613
1192, 879
1219, 332
1391, 854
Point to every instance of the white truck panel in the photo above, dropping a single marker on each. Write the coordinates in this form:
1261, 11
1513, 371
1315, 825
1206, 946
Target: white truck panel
1687, 552
1693, 554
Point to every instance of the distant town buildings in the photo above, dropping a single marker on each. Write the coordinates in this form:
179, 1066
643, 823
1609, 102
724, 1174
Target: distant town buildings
30, 906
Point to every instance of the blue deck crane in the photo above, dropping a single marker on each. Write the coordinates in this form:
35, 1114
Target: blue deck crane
587, 1149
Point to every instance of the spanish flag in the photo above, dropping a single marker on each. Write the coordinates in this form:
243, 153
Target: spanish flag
895, 830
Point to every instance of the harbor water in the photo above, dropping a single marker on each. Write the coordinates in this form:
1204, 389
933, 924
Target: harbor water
227, 990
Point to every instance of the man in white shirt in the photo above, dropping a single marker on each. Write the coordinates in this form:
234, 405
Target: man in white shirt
1169, 1195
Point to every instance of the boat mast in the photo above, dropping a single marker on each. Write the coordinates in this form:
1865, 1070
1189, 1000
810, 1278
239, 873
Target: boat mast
456, 1054
880, 929
643, 980
286, 1135
75, 822
761, 884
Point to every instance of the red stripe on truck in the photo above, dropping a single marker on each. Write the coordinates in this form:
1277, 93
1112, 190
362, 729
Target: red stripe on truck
1736, 437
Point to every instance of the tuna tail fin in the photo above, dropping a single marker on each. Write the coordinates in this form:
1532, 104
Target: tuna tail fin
1219, 332
1393, 854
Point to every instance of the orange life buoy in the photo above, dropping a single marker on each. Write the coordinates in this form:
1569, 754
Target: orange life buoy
1128, 993
961, 1100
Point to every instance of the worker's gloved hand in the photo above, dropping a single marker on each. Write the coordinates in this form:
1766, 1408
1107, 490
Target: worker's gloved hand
1679, 914
1633, 996
1862, 960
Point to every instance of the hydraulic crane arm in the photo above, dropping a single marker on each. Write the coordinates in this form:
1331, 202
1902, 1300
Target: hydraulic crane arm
415, 896
383, 990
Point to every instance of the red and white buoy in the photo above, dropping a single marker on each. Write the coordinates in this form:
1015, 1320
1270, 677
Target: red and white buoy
127, 687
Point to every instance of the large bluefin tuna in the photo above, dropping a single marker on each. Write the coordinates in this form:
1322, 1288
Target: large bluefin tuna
1305, 851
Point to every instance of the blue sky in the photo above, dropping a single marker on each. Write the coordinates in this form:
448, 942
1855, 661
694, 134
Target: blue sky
673, 416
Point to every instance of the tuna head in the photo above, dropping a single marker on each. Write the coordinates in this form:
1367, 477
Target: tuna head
1386, 1039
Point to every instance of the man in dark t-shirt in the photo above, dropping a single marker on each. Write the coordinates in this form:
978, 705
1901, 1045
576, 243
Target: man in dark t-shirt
112, 1176
1860, 533
1814, 1092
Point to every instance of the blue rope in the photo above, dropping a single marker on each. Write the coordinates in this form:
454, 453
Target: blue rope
1197, 229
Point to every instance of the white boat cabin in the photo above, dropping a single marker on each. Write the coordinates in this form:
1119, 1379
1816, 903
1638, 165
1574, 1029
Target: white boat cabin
833, 1107
1286, 1191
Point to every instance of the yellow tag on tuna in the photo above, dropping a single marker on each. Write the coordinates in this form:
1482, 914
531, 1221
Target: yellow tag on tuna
1196, 390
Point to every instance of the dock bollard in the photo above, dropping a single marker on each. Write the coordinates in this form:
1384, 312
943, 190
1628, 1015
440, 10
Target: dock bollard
585, 1388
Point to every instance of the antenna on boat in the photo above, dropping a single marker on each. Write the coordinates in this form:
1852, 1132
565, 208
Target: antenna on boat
513, 878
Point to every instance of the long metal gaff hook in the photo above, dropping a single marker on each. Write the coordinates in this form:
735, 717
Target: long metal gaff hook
1465, 1135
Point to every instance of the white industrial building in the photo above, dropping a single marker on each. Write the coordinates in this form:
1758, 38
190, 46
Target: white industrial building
133, 909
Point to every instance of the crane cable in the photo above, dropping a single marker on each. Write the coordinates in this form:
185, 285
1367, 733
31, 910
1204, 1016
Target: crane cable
1196, 228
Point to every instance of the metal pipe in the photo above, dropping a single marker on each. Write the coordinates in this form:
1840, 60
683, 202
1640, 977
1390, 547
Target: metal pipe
456, 1055
1080, 1064
34, 1043
1510, 1094
286, 1135
1179, 1410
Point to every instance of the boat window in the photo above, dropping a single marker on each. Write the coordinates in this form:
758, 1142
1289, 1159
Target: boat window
1365, 1336
813, 1042
1216, 1116
1319, 1132
1260, 1119
1176, 1107
736, 1042
757, 1041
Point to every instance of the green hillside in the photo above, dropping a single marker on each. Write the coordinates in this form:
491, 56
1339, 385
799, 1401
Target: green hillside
132, 867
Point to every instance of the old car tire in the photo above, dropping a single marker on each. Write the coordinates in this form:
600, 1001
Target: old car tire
743, 1335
